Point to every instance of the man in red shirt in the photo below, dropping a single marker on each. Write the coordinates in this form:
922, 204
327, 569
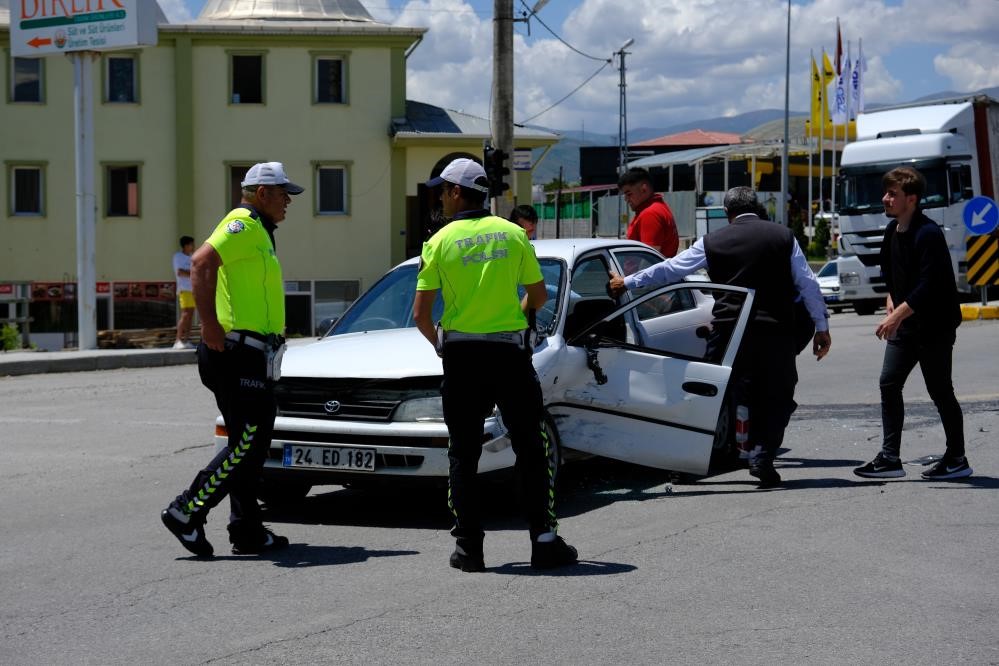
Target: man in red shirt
653, 223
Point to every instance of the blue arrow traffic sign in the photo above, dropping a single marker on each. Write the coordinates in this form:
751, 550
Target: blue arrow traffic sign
981, 216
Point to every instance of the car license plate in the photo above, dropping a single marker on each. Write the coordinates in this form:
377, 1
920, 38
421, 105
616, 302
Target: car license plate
832, 298
329, 457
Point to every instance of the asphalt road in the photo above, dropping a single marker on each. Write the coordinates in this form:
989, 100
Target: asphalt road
828, 569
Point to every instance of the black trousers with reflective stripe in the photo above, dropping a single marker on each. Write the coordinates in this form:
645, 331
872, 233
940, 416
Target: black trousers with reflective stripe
245, 398
478, 375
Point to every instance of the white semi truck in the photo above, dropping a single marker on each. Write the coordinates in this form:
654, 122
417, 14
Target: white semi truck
954, 143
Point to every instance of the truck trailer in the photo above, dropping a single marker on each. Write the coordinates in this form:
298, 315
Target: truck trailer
954, 143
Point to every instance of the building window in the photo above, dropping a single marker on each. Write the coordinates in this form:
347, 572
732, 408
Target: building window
331, 190
330, 88
120, 79
247, 79
26, 80
26, 190
122, 191
237, 173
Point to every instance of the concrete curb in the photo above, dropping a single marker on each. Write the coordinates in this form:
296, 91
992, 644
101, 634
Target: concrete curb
31, 363
972, 311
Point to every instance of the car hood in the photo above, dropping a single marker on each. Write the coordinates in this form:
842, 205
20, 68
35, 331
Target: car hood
388, 354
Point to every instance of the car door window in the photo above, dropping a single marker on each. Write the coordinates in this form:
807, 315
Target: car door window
632, 261
691, 334
588, 297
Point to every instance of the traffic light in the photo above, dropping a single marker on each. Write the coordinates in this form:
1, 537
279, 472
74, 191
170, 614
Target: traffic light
496, 170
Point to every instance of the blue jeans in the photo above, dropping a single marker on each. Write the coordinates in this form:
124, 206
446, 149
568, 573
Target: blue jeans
935, 360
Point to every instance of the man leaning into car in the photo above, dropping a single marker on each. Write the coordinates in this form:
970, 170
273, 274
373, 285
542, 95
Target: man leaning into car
763, 256
236, 279
478, 260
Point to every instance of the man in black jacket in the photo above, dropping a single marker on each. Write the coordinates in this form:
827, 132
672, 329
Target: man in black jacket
923, 316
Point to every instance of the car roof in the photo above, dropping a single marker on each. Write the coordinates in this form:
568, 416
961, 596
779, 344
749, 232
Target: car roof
570, 248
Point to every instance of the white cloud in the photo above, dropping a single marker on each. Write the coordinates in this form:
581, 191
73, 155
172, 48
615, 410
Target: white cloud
694, 58
967, 69
176, 11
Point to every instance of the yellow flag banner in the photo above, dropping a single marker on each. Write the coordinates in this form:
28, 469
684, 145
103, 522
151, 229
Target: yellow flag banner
851, 128
817, 98
828, 76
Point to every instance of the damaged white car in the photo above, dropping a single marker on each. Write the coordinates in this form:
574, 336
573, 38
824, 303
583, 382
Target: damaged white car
624, 379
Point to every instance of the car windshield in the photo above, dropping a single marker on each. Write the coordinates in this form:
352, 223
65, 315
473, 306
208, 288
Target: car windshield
389, 303
829, 270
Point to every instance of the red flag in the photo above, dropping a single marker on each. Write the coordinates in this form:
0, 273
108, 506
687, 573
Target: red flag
839, 49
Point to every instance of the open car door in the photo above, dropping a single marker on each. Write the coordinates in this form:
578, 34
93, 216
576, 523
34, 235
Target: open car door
643, 398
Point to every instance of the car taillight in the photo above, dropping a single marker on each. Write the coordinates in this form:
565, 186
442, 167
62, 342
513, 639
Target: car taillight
220, 431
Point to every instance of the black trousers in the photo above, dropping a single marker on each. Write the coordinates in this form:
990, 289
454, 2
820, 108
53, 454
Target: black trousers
478, 375
935, 360
763, 379
245, 398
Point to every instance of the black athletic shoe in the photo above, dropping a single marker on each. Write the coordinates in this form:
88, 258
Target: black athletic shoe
948, 468
262, 542
552, 554
468, 563
881, 468
763, 469
191, 534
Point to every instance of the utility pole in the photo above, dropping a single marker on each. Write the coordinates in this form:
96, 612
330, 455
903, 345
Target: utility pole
785, 163
622, 126
502, 109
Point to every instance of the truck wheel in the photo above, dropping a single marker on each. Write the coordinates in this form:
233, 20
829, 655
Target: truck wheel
864, 307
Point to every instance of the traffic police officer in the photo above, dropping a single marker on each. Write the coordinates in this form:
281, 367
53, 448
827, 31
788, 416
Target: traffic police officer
239, 294
479, 260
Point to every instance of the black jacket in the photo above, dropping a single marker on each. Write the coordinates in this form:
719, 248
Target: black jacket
919, 272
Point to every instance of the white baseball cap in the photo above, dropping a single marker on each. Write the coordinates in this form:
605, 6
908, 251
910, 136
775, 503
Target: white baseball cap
270, 173
464, 172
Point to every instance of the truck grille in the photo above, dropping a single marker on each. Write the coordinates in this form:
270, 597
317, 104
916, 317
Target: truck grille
350, 399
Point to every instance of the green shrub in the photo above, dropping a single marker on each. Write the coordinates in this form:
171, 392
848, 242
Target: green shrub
10, 337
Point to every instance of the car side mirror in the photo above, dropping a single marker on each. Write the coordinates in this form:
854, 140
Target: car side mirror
702, 332
325, 325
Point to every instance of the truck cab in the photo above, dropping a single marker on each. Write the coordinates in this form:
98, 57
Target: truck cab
940, 141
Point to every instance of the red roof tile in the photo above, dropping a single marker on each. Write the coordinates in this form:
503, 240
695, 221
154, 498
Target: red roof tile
694, 137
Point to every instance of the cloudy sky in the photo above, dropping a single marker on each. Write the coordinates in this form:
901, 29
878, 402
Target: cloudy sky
691, 58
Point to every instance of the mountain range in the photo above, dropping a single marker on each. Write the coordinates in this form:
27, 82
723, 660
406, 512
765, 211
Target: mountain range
565, 153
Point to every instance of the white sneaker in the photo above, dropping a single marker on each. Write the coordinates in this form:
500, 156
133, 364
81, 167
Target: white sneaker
180, 344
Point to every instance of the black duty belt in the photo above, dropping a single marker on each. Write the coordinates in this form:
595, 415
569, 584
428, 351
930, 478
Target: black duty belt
255, 340
511, 337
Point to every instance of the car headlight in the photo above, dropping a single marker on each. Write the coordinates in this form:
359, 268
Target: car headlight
849, 278
420, 409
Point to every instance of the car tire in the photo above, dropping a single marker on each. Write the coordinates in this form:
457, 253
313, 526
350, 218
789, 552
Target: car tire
724, 453
283, 493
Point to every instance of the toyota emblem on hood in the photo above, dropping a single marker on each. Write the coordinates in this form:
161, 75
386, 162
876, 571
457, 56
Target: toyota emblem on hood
332, 406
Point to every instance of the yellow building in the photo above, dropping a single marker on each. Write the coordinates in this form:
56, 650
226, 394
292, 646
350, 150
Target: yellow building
316, 84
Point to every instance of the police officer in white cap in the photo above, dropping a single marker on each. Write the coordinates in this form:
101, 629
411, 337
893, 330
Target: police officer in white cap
478, 260
239, 294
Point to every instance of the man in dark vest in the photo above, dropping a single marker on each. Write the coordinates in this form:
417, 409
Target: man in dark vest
763, 256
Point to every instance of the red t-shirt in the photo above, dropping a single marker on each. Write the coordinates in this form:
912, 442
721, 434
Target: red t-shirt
654, 226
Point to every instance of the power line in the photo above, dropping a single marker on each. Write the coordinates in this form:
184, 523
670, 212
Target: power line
585, 55
590, 78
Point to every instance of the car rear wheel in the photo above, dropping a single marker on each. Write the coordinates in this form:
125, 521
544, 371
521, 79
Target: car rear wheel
724, 453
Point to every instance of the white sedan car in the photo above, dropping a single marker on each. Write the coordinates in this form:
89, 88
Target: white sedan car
628, 379
828, 279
